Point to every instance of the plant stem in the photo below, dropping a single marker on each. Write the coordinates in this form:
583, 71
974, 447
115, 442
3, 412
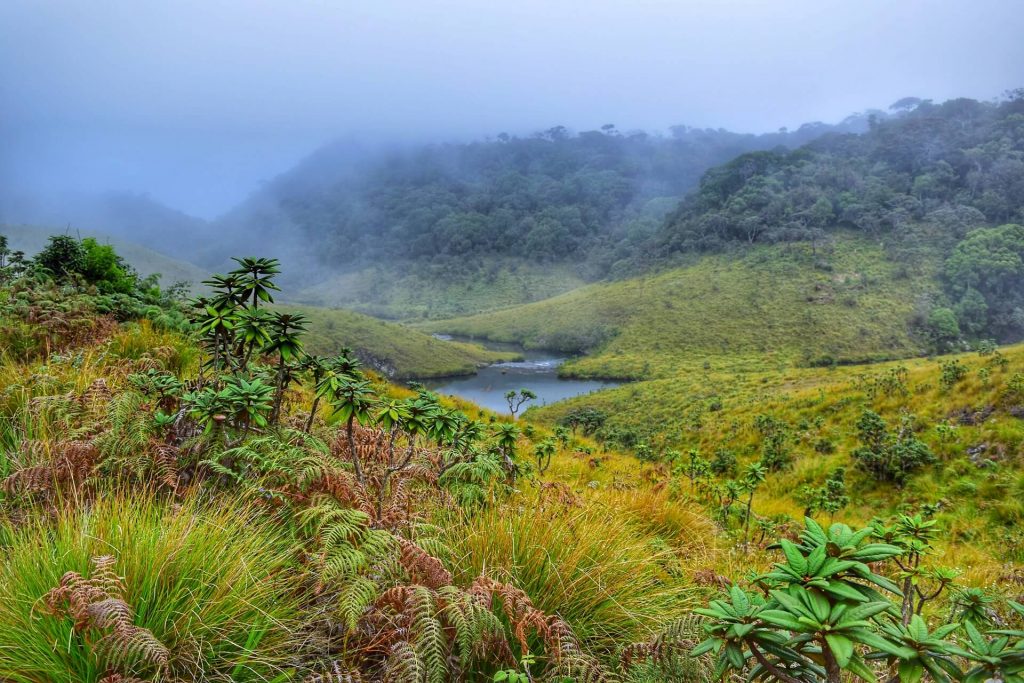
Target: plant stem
775, 671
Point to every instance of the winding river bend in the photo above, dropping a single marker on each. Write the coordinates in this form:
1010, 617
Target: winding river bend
537, 371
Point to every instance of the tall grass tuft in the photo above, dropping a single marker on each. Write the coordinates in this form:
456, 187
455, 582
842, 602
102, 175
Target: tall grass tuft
141, 341
607, 577
212, 583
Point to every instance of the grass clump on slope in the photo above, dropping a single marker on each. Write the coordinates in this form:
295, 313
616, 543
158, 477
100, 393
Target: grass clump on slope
212, 582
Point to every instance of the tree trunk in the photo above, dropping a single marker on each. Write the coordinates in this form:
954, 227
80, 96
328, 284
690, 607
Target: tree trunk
279, 394
352, 449
832, 671
312, 414
746, 520
908, 600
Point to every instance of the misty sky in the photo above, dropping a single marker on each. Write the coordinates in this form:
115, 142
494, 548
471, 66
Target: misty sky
198, 101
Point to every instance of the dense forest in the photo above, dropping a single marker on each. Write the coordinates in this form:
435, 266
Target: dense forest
557, 196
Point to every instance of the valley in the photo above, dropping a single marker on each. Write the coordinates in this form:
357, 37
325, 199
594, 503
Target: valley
766, 416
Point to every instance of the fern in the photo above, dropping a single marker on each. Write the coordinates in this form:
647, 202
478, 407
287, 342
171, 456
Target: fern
130, 428
129, 445
441, 631
665, 656
336, 675
97, 604
346, 544
43, 469
469, 482
404, 665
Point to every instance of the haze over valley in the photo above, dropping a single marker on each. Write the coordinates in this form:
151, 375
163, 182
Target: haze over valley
605, 342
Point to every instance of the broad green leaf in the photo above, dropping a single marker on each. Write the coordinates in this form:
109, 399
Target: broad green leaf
735, 655
917, 629
783, 619
794, 557
910, 672
858, 667
845, 591
842, 648
707, 646
819, 604
739, 600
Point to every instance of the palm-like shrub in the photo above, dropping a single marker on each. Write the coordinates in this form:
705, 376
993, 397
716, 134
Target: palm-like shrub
826, 615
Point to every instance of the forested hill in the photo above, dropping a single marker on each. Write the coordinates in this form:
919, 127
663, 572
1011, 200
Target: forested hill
944, 181
962, 155
556, 196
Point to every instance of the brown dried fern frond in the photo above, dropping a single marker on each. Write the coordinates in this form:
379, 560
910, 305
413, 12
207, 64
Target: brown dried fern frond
336, 675
64, 464
567, 657
97, 604
423, 568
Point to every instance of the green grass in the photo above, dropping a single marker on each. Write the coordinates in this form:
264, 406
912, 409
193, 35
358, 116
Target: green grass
981, 504
596, 567
394, 350
31, 239
214, 583
769, 307
412, 291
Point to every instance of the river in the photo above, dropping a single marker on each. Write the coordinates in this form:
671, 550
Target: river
537, 371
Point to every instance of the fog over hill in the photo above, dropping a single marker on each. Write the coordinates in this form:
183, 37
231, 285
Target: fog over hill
340, 191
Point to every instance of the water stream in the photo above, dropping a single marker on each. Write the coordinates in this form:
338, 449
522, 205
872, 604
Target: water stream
537, 371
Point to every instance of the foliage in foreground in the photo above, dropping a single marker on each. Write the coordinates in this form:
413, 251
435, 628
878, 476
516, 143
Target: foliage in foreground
826, 612
214, 584
315, 480
384, 535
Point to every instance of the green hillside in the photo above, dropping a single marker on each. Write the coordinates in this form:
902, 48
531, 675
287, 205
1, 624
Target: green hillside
30, 239
391, 349
769, 306
966, 409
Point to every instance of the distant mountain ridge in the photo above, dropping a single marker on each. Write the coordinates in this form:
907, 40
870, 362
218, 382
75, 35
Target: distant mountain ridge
583, 199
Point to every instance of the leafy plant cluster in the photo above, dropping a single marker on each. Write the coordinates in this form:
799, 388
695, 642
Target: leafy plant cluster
829, 611
73, 292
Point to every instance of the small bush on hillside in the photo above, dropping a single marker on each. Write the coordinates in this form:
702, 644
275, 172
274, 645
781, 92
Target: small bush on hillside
952, 371
824, 446
887, 456
724, 462
775, 437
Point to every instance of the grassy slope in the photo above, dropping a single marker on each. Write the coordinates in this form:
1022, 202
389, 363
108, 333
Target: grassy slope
31, 239
401, 293
982, 505
393, 349
740, 331
617, 550
767, 308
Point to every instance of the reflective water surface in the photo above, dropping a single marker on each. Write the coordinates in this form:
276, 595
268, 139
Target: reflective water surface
538, 372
